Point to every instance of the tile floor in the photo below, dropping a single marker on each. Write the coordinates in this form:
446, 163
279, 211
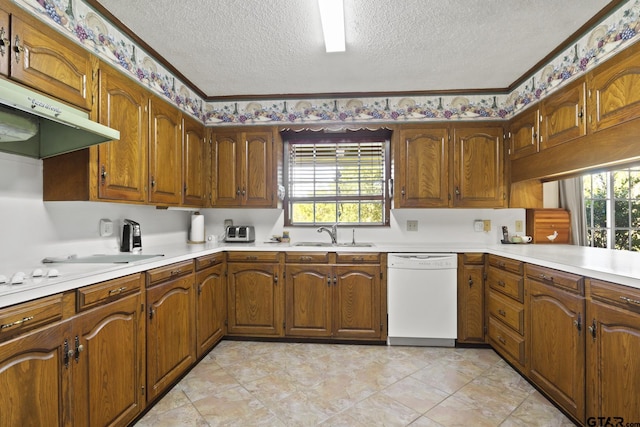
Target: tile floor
243, 383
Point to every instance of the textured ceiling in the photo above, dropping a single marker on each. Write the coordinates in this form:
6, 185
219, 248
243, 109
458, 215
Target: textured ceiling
275, 47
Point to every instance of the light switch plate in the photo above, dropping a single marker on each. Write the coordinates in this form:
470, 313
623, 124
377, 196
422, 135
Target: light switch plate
478, 225
106, 227
487, 225
412, 225
519, 226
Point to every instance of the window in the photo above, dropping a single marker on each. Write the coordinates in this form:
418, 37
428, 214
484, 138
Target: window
337, 178
612, 208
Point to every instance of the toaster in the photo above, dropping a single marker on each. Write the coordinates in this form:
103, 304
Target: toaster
240, 233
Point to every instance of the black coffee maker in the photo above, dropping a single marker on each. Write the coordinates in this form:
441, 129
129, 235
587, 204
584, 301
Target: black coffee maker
131, 237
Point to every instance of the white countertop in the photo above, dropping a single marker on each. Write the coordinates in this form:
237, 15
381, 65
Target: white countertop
621, 267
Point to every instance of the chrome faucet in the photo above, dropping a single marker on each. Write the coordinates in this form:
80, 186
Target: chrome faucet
333, 232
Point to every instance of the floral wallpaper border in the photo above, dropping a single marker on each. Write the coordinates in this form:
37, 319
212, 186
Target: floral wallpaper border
82, 24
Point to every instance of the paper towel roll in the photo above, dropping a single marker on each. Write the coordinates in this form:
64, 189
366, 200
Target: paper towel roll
196, 233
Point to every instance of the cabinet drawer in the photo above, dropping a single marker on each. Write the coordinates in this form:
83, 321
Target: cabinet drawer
169, 272
619, 295
557, 278
506, 264
30, 315
506, 311
209, 260
507, 342
473, 258
508, 283
307, 257
357, 258
100, 293
252, 256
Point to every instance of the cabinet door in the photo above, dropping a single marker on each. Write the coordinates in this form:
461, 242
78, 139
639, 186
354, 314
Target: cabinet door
171, 332
614, 97
557, 340
5, 46
194, 162
308, 304
524, 134
165, 154
122, 164
50, 63
211, 306
109, 372
563, 116
34, 379
471, 318
356, 302
478, 167
254, 299
257, 171
422, 168
226, 185
613, 370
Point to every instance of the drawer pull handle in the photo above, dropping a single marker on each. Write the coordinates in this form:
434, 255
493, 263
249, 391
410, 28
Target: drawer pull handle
545, 277
501, 264
117, 291
17, 322
305, 258
251, 258
502, 340
629, 300
501, 283
357, 258
176, 272
502, 313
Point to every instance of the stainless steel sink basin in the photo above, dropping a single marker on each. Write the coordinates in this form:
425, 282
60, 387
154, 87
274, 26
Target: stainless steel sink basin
339, 245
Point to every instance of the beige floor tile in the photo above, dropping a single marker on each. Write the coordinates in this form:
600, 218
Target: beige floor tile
415, 394
183, 416
206, 380
537, 411
425, 422
173, 399
299, 409
234, 407
453, 412
381, 410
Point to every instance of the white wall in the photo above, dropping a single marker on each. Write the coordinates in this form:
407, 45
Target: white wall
31, 229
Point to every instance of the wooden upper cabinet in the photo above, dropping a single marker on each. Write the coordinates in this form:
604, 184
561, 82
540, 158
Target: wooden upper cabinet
4, 43
243, 169
421, 168
478, 167
194, 163
524, 134
122, 164
562, 115
614, 97
49, 62
165, 154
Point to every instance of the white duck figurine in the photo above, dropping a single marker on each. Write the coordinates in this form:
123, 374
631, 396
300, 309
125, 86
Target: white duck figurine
553, 236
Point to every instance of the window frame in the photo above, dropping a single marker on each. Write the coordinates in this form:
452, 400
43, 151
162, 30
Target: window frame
347, 136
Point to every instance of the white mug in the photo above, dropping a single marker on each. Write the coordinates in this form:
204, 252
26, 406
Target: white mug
526, 239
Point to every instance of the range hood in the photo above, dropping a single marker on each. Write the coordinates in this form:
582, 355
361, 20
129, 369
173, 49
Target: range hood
35, 125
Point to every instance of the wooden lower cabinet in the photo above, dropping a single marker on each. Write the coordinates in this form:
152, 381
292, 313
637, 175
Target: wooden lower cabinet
613, 346
471, 296
356, 302
308, 306
211, 307
171, 330
255, 295
556, 337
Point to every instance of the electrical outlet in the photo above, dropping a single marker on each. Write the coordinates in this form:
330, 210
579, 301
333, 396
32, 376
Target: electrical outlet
412, 225
106, 227
478, 225
228, 223
519, 226
487, 225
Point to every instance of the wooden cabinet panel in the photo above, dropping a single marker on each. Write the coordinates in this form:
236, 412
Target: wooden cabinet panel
195, 165
561, 279
5, 47
308, 300
101, 293
171, 332
563, 115
506, 264
109, 369
257, 186
524, 134
33, 369
122, 164
508, 343
165, 154
168, 272
471, 315
478, 167
255, 299
546, 222
30, 315
507, 311
557, 344
211, 306
357, 302
50, 63
422, 168
507, 283
226, 175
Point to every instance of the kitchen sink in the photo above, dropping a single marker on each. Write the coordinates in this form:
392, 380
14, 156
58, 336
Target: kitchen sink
339, 245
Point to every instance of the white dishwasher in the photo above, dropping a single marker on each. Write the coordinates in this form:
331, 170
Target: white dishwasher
422, 299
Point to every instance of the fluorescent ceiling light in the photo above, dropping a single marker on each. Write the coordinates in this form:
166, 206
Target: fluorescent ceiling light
332, 16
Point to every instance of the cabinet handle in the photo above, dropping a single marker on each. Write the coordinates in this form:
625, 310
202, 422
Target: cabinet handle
501, 264
305, 258
592, 329
17, 49
175, 272
357, 258
243, 191
329, 280
79, 348
470, 281
547, 278
117, 291
402, 191
500, 283
578, 323
16, 323
238, 191
153, 182
502, 313
502, 340
335, 280
457, 192
152, 312
4, 41
103, 174
67, 353
275, 280
629, 300
581, 115
251, 258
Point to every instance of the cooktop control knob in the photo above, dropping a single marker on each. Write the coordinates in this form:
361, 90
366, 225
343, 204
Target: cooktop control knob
37, 272
17, 278
3, 279
53, 273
